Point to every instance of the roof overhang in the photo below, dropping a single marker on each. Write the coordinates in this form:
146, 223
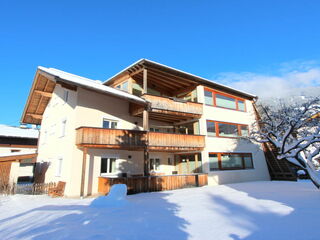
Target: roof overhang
19, 157
172, 78
43, 86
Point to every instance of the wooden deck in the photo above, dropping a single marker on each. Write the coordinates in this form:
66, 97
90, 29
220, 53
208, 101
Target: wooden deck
168, 109
153, 183
137, 140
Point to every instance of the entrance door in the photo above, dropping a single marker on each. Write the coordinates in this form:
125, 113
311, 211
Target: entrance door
188, 164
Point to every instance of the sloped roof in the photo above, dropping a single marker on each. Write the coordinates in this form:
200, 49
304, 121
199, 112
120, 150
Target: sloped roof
9, 131
89, 83
187, 75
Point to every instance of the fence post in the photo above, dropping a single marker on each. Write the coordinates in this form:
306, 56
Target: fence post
197, 180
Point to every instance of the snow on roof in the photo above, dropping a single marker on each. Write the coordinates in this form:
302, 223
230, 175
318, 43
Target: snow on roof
91, 84
11, 154
9, 131
207, 81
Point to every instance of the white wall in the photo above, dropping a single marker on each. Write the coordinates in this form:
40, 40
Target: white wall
217, 144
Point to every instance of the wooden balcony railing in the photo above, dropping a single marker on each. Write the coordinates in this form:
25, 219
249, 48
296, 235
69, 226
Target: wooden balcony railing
175, 142
135, 139
165, 106
110, 138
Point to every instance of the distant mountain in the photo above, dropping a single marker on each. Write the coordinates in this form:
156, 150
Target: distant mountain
292, 96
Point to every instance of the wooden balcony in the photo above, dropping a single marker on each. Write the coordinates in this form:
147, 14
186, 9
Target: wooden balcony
175, 142
168, 109
137, 140
110, 138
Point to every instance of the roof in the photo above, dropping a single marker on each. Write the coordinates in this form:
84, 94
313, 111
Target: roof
18, 157
89, 83
185, 74
9, 131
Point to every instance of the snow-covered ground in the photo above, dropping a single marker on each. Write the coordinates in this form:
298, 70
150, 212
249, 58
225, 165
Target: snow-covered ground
256, 210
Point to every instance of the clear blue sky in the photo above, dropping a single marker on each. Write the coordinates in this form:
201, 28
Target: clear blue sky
96, 39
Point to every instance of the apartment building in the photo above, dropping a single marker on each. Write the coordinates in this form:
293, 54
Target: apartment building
147, 119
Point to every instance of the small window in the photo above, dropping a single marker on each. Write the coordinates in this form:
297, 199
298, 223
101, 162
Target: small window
125, 86
213, 162
63, 127
208, 98
154, 164
65, 96
15, 150
108, 165
241, 105
244, 130
109, 123
59, 167
211, 128
169, 161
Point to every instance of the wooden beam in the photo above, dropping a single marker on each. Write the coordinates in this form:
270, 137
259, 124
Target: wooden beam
185, 90
145, 120
35, 116
44, 94
18, 157
145, 81
83, 174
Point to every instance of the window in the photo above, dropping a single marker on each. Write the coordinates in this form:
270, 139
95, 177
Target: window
152, 129
154, 164
108, 165
211, 128
230, 161
63, 127
226, 102
15, 150
59, 167
123, 86
136, 89
221, 129
65, 96
208, 97
218, 99
109, 123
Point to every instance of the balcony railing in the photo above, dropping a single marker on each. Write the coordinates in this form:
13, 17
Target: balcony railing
135, 139
175, 142
170, 107
110, 138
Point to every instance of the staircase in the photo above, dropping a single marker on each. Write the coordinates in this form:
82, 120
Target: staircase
278, 169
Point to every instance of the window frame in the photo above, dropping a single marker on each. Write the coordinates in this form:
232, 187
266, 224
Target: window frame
243, 155
59, 167
110, 123
214, 100
109, 168
216, 125
154, 164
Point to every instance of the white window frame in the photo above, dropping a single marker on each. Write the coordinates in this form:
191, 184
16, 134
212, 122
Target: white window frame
59, 166
108, 173
111, 121
63, 127
65, 96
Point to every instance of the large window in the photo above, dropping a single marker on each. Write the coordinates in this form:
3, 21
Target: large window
123, 86
108, 165
222, 129
218, 99
230, 161
109, 123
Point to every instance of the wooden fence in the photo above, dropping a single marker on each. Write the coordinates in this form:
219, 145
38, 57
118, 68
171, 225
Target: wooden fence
153, 183
29, 188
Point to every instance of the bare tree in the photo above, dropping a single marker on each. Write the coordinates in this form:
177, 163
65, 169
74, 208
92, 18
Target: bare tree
294, 132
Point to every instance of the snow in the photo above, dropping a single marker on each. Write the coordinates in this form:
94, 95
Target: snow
89, 83
115, 198
255, 210
9, 154
9, 131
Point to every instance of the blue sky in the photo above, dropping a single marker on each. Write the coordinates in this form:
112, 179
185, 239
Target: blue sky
96, 39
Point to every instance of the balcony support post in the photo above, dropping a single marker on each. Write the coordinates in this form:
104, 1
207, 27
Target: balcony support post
145, 81
83, 174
